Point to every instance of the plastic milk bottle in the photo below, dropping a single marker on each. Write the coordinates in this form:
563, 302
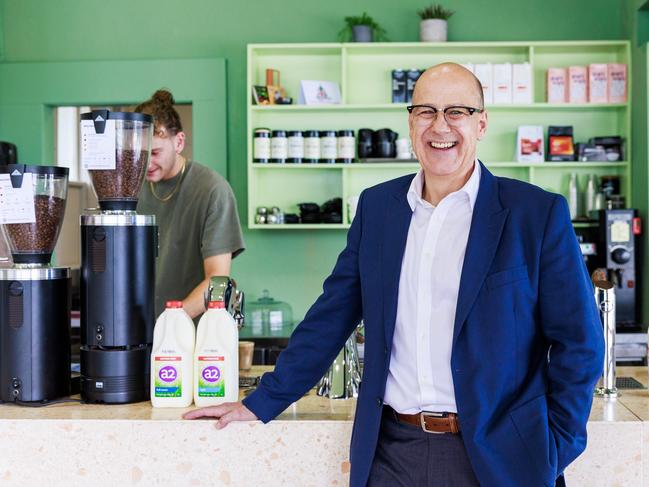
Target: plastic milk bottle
172, 358
216, 357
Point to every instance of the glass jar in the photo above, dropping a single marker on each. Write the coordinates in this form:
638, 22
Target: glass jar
261, 146
278, 146
266, 313
295, 147
328, 146
312, 146
346, 146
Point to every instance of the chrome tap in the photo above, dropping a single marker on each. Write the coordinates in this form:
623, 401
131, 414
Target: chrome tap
224, 288
605, 298
343, 377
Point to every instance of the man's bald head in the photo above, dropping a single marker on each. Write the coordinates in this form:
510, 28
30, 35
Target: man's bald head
449, 73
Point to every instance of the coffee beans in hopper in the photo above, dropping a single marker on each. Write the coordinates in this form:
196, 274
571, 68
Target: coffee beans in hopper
125, 181
39, 237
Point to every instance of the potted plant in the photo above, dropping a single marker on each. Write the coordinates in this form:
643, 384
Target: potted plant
361, 28
433, 26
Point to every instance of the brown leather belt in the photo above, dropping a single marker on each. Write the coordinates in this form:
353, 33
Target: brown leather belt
430, 422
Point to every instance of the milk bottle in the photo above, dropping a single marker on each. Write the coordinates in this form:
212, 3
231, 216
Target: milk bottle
216, 357
172, 358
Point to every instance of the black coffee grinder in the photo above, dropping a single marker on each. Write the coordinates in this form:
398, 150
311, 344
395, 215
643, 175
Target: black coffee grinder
118, 251
34, 296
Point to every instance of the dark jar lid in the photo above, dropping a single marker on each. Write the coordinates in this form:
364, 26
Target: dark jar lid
328, 133
345, 133
279, 133
295, 133
27, 168
312, 133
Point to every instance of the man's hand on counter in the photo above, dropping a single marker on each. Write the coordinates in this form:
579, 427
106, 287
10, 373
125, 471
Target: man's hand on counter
225, 413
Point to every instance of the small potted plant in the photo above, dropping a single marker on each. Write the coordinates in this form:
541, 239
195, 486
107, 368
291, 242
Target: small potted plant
433, 26
361, 28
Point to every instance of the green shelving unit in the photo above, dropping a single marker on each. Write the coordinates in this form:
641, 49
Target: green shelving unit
364, 74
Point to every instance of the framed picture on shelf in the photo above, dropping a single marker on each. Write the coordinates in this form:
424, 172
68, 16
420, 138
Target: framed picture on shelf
319, 93
260, 95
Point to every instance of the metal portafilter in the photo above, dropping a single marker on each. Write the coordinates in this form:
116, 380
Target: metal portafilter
605, 299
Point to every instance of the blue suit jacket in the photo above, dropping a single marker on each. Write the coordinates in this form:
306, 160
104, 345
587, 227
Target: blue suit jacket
527, 342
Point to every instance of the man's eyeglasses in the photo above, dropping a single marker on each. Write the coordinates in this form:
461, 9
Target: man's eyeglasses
454, 115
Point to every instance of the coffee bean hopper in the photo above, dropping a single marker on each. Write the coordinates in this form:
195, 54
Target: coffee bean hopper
118, 251
34, 296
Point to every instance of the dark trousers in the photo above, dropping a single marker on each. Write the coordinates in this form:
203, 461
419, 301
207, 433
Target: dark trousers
407, 456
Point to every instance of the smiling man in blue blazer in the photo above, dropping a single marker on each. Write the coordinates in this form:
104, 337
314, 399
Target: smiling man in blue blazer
483, 343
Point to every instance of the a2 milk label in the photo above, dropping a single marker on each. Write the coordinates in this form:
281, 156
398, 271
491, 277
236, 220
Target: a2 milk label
168, 376
211, 376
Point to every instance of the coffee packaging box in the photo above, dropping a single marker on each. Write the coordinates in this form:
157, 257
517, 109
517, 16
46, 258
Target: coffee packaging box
398, 86
529, 144
484, 72
556, 86
522, 83
503, 83
412, 75
617, 82
598, 83
577, 84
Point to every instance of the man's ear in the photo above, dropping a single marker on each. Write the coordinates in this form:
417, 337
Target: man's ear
179, 142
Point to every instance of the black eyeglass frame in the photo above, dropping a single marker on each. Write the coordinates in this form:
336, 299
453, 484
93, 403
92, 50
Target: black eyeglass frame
471, 110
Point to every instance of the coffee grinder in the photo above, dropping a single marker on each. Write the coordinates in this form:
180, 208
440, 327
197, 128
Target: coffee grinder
118, 251
34, 296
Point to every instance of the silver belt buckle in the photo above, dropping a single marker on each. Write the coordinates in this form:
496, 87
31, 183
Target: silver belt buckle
422, 417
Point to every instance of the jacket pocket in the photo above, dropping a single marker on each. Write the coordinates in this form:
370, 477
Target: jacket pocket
507, 276
531, 422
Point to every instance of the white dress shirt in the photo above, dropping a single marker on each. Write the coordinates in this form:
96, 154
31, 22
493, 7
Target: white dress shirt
419, 377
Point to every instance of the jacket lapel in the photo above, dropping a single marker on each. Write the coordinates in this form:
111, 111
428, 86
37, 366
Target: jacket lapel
487, 225
395, 235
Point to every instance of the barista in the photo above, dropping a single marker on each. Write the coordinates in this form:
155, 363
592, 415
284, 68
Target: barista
195, 209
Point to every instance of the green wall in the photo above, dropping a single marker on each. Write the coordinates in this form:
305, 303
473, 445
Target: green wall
290, 264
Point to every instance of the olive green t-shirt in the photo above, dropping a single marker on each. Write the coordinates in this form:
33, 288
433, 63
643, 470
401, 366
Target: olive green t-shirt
199, 221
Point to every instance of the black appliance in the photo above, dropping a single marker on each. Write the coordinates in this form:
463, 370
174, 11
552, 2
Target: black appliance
34, 297
118, 252
8, 153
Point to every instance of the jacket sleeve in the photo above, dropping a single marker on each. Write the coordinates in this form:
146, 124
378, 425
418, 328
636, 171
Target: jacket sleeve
571, 324
318, 339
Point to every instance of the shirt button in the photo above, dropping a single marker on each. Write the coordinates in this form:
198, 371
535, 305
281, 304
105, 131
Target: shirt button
379, 401
386, 350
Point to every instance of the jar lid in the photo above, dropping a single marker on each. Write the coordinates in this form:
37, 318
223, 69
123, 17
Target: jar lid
174, 304
328, 133
345, 133
108, 115
279, 133
262, 133
295, 133
216, 305
45, 170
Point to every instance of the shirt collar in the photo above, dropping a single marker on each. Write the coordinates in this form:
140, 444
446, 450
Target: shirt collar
470, 188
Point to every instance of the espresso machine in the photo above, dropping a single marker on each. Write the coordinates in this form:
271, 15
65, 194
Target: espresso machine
34, 296
118, 252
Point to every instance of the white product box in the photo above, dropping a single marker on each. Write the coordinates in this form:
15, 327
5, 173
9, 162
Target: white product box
522, 83
529, 144
503, 83
577, 84
484, 72
598, 83
617, 82
557, 85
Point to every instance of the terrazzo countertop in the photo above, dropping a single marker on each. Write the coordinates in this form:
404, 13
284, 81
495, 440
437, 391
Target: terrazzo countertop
105, 445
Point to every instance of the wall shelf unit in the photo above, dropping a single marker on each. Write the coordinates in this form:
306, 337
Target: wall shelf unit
364, 74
